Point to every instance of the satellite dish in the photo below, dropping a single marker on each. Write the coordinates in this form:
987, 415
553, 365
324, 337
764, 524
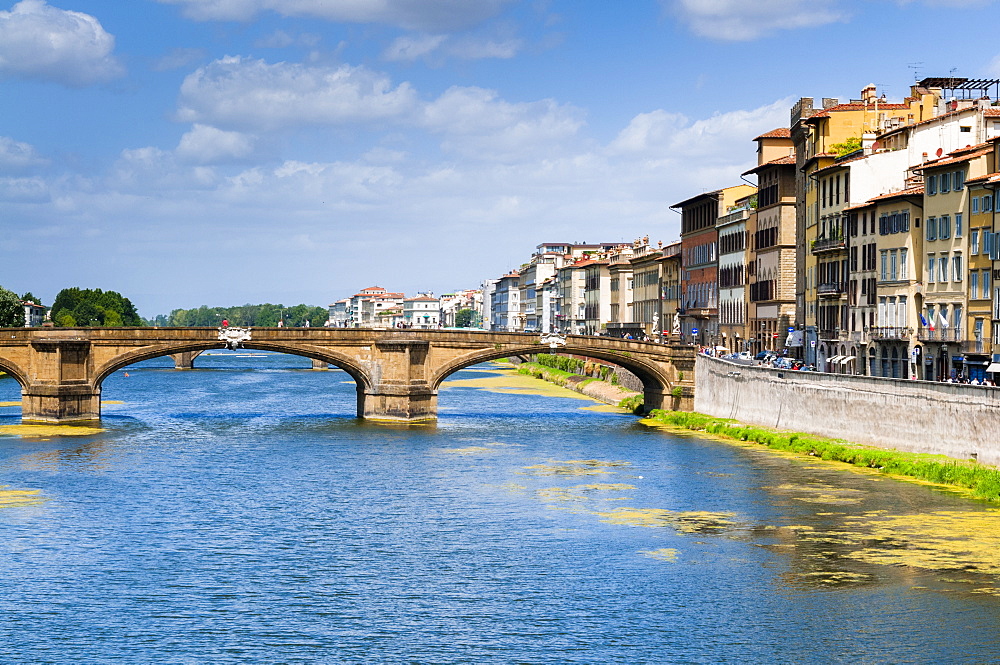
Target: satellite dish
940, 151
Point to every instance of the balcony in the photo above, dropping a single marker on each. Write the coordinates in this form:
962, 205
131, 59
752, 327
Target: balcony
832, 335
940, 335
979, 347
831, 290
826, 245
890, 333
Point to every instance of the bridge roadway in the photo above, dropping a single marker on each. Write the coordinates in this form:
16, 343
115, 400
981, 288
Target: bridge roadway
397, 372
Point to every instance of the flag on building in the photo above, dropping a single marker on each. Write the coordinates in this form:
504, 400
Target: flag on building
944, 319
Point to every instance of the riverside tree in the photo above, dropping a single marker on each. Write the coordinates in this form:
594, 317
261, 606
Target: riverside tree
11, 309
93, 307
263, 316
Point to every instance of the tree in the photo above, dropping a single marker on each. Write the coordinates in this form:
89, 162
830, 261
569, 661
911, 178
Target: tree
11, 309
31, 297
850, 145
464, 318
93, 307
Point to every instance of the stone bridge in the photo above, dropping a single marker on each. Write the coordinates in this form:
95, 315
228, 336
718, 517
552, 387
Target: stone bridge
398, 372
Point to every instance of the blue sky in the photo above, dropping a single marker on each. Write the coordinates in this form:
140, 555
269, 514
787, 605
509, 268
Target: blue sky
189, 152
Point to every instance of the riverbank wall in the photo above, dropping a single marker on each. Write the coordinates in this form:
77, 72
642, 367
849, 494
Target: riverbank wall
956, 420
602, 391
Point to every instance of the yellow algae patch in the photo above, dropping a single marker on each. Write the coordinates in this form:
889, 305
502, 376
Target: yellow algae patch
941, 540
15, 498
685, 522
819, 493
18, 403
607, 408
834, 577
589, 467
583, 492
667, 554
515, 384
48, 430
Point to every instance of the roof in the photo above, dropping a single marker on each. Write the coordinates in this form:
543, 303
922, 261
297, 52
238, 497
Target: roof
421, 299
857, 106
910, 191
779, 133
780, 161
956, 157
983, 179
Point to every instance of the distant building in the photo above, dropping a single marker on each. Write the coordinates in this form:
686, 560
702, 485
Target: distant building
34, 314
421, 312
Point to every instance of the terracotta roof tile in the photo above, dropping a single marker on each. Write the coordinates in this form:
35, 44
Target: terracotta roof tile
779, 133
781, 161
857, 107
955, 157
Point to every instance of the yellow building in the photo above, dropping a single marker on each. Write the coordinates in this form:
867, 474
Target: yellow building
947, 208
820, 136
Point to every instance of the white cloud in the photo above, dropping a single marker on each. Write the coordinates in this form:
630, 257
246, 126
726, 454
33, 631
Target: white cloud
475, 123
42, 42
24, 190
17, 157
412, 47
430, 47
249, 93
208, 145
429, 15
673, 136
178, 58
739, 20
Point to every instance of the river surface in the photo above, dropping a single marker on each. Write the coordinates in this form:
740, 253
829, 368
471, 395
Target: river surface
239, 513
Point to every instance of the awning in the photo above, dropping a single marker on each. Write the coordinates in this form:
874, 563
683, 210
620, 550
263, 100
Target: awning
846, 359
994, 367
834, 360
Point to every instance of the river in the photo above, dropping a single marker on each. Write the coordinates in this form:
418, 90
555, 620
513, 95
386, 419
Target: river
239, 513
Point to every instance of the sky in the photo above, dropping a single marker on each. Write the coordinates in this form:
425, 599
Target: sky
222, 152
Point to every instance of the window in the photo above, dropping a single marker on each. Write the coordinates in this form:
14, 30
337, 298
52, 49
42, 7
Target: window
958, 225
974, 242
987, 203
975, 204
956, 272
885, 265
930, 269
959, 181
932, 185
945, 183
956, 312
893, 265
932, 228
986, 284
944, 227
973, 284
903, 272
943, 269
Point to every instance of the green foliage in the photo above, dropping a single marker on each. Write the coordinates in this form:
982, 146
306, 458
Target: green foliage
11, 309
466, 318
982, 481
266, 315
93, 307
633, 403
677, 391
850, 145
564, 363
31, 297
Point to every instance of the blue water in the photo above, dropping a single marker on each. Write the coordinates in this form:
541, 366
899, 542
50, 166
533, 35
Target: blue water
239, 513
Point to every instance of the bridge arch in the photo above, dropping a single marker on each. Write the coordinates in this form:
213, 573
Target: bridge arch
14, 371
654, 379
340, 360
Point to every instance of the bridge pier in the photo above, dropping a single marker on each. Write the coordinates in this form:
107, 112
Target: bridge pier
400, 390
60, 404
185, 359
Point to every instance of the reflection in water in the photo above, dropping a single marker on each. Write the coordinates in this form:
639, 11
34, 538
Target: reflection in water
247, 516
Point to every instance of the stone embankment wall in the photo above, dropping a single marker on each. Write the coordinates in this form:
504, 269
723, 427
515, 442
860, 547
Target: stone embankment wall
960, 421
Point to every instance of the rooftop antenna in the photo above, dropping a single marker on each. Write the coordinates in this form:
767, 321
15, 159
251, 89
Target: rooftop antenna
916, 67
